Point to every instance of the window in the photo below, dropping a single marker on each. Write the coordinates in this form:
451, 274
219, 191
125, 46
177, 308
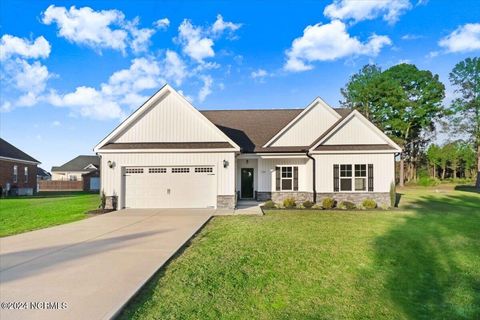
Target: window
72, 178
201, 170
286, 178
157, 170
15, 174
134, 170
346, 177
180, 170
360, 177
25, 172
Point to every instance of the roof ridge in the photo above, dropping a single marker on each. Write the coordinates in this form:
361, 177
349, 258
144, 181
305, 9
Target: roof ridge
273, 109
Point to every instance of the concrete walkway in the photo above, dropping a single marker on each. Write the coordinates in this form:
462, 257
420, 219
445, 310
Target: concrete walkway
89, 269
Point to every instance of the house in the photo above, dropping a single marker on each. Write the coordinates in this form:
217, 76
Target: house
43, 174
18, 170
75, 168
167, 154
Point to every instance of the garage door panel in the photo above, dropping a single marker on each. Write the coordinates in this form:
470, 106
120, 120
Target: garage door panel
170, 187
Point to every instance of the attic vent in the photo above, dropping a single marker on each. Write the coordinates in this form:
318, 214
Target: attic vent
134, 170
204, 170
157, 170
180, 170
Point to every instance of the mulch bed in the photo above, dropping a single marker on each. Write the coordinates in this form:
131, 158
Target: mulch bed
99, 211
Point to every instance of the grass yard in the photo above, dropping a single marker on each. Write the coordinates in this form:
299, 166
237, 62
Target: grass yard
21, 214
421, 261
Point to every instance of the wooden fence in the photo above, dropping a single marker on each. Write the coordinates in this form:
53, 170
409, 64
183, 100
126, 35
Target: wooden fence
57, 185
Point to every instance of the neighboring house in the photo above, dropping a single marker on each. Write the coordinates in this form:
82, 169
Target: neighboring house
91, 180
18, 170
168, 154
43, 174
75, 168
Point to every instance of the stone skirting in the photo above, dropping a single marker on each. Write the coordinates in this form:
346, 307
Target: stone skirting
111, 202
381, 198
225, 201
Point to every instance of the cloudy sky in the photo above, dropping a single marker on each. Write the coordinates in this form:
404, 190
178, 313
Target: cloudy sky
71, 71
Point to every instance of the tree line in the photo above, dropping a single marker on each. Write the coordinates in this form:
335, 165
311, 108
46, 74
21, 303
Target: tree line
408, 105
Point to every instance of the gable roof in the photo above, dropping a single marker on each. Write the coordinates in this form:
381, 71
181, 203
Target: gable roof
79, 164
158, 96
43, 173
9, 151
389, 143
317, 102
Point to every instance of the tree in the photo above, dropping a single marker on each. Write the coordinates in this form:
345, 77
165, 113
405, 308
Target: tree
468, 157
433, 156
452, 155
465, 76
402, 101
443, 160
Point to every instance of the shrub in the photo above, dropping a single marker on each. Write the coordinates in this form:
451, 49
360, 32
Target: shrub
317, 206
428, 182
369, 204
289, 203
346, 205
269, 204
328, 203
308, 204
393, 195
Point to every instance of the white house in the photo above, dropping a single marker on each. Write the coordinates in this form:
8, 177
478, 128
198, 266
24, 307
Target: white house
168, 154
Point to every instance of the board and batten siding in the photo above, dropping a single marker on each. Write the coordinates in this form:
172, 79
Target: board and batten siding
317, 120
266, 174
354, 131
383, 169
112, 178
171, 120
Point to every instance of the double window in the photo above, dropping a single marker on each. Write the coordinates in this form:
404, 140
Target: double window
352, 177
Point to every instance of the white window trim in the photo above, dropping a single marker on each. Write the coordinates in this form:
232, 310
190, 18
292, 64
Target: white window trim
25, 174
282, 178
15, 174
352, 178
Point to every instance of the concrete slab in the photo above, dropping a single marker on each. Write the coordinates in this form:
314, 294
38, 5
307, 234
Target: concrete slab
89, 269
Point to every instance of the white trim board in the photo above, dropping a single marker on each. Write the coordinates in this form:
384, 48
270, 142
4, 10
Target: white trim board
358, 115
315, 102
157, 97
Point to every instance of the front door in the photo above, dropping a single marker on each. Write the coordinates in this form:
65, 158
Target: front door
247, 183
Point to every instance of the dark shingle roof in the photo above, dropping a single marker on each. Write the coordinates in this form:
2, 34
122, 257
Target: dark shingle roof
79, 163
42, 172
9, 151
251, 129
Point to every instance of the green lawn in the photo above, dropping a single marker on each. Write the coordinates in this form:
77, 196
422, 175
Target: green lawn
421, 261
21, 214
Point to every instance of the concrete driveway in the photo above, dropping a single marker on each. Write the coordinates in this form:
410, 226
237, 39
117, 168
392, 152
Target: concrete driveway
90, 268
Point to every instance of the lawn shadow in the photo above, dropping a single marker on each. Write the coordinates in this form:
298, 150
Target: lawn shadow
428, 262
467, 188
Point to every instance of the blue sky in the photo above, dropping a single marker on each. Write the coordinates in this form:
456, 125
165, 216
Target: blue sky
72, 70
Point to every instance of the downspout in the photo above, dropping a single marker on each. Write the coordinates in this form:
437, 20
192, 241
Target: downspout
314, 176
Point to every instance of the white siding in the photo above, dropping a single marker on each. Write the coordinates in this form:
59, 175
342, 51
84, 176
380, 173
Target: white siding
171, 120
308, 128
354, 131
63, 175
266, 174
383, 169
111, 178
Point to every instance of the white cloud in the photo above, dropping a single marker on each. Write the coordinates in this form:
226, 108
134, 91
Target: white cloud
206, 89
56, 123
465, 38
259, 74
13, 46
329, 42
219, 26
411, 37
174, 68
105, 29
162, 23
195, 44
357, 10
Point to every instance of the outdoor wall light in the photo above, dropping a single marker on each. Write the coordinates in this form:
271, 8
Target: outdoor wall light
110, 164
225, 163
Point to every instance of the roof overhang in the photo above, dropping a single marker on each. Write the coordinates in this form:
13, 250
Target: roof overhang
19, 160
158, 96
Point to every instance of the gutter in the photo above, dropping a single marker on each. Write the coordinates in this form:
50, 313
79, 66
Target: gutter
314, 176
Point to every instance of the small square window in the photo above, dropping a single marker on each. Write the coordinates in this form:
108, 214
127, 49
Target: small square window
360, 184
286, 172
345, 170
360, 170
286, 184
346, 184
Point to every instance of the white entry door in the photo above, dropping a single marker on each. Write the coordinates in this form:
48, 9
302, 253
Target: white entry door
170, 187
